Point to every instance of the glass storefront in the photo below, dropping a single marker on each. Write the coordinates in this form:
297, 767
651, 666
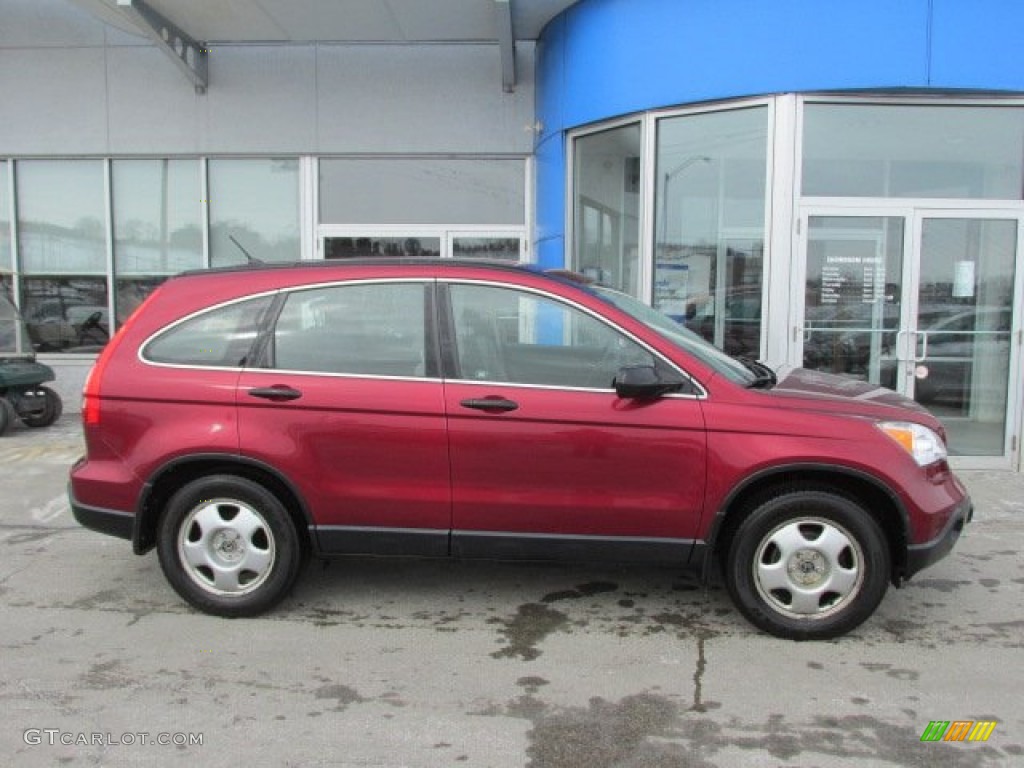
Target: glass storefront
875, 239
63, 254
607, 207
912, 151
158, 226
6, 257
709, 219
254, 210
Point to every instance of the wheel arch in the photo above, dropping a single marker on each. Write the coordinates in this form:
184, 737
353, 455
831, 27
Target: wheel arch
177, 473
868, 491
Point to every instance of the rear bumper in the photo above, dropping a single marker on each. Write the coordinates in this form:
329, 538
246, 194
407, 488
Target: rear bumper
109, 521
920, 556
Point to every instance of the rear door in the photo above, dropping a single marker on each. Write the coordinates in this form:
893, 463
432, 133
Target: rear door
546, 460
348, 405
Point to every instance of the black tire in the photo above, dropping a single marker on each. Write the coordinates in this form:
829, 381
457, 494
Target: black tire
52, 409
807, 564
227, 545
7, 415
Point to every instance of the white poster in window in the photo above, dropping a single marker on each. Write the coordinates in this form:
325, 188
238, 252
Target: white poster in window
963, 280
672, 288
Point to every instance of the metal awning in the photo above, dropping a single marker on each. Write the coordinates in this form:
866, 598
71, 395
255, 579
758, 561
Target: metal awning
185, 29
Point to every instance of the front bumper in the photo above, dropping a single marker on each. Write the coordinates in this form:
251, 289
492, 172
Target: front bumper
920, 556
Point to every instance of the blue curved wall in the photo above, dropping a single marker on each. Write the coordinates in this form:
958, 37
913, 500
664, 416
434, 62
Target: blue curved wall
604, 58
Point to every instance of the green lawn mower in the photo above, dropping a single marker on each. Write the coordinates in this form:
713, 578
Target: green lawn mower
23, 394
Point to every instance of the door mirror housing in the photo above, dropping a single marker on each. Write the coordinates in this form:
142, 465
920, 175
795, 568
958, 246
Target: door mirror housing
645, 382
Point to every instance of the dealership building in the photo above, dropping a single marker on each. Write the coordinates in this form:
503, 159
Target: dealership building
838, 185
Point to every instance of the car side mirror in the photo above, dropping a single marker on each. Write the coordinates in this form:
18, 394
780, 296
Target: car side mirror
644, 382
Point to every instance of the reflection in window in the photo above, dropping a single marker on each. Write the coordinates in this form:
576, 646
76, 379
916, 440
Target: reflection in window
157, 225
254, 210
497, 248
606, 207
362, 247
62, 245
66, 314
221, 338
61, 217
369, 330
710, 199
511, 336
860, 150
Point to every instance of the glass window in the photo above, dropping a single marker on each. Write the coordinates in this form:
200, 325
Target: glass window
422, 191
157, 225
61, 217
513, 336
6, 260
62, 241
65, 314
363, 246
254, 210
710, 198
482, 247
863, 150
222, 337
606, 207
370, 330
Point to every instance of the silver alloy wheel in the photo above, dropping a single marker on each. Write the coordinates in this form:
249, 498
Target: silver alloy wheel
226, 547
808, 568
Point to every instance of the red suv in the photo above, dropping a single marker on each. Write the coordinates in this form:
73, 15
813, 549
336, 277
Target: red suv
244, 419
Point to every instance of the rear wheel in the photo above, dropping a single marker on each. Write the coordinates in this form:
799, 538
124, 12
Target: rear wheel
49, 413
808, 565
227, 545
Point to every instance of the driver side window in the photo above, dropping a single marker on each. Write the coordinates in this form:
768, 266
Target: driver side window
506, 335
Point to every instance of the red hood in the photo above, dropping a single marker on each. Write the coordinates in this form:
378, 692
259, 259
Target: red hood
838, 393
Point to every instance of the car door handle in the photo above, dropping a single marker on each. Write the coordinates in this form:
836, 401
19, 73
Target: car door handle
490, 404
278, 392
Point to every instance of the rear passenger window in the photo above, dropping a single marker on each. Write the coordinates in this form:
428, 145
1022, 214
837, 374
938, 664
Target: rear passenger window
222, 337
366, 329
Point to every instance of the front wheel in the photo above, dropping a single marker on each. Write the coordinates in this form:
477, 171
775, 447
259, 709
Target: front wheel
808, 565
49, 413
227, 545
7, 414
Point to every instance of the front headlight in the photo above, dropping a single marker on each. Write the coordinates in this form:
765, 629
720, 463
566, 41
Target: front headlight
920, 442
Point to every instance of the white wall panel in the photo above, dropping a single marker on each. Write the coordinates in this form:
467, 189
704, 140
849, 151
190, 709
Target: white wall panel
260, 99
47, 23
52, 101
426, 98
151, 107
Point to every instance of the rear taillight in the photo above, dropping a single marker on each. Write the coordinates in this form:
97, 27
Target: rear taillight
93, 382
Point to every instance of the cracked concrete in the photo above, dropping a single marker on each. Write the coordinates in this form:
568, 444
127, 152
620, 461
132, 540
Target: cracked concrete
377, 662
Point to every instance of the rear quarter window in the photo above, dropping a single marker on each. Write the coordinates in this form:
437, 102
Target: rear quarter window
222, 337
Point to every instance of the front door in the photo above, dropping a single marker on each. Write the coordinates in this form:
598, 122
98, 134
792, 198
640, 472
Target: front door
921, 301
544, 454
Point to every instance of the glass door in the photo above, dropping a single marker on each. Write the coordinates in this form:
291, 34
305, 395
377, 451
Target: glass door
962, 334
854, 303
920, 301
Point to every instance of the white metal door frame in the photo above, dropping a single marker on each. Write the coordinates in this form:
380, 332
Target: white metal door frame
913, 214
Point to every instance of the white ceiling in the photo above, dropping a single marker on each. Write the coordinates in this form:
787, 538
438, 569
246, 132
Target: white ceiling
350, 21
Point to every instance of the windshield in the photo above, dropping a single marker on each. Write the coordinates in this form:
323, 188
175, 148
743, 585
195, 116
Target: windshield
683, 337
13, 335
